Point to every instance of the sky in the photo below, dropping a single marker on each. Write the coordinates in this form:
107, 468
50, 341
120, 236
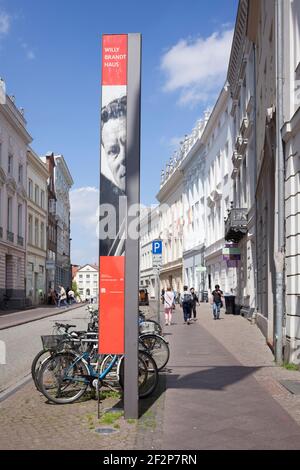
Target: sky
50, 59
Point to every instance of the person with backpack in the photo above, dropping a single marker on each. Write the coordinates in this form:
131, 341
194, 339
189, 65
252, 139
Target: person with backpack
186, 304
168, 305
217, 303
195, 301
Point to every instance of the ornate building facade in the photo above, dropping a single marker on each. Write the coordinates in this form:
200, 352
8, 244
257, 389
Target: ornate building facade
14, 140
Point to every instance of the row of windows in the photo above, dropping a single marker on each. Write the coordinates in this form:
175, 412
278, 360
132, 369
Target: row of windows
87, 276
39, 195
9, 215
10, 166
36, 232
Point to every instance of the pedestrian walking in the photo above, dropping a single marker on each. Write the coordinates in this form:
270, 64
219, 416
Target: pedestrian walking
217, 303
195, 301
71, 297
186, 304
168, 305
162, 296
62, 297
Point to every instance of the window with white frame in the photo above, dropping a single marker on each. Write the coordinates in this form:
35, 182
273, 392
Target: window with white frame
42, 199
9, 214
36, 232
42, 236
20, 174
20, 219
10, 168
36, 194
30, 188
30, 229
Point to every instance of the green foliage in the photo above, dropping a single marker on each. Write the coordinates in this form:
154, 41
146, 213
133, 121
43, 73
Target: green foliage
109, 394
75, 288
131, 421
110, 418
290, 366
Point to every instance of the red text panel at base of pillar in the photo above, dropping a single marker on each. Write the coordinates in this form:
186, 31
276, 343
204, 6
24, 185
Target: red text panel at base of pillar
111, 304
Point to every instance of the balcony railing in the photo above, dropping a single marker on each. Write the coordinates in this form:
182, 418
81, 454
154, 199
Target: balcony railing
236, 224
1, 232
10, 236
20, 240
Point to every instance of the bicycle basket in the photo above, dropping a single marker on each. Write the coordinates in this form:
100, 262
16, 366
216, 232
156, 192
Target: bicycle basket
52, 342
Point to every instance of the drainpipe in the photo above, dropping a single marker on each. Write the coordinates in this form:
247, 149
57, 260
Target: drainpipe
279, 254
255, 180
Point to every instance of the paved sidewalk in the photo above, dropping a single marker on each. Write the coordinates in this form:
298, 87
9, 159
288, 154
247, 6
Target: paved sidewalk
214, 397
221, 390
8, 320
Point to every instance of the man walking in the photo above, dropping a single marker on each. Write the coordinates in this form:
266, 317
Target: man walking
195, 301
217, 296
186, 304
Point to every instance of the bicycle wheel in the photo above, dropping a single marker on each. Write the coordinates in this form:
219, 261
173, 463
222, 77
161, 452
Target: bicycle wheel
150, 326
63, 378
157, 346
36, 365
147, 374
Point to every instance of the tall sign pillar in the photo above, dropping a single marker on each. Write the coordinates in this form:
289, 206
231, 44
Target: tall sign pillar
119, 192
132, 243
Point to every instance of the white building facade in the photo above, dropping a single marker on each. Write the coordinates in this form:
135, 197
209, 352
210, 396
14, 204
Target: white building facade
240, 225
37, 218
63, 182
87, 280
194, 213
149, 231
291, 137
171, 227
14, 140
217, 143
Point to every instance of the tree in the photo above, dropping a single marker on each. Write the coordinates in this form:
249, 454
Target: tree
75, 288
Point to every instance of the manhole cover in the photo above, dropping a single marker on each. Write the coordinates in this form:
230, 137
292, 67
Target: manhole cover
105, 430
292, 386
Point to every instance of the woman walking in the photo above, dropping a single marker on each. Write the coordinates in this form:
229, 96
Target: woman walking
168, 305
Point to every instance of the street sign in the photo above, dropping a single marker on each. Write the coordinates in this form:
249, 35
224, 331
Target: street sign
157, 247
156, 261
201, 269
50, 264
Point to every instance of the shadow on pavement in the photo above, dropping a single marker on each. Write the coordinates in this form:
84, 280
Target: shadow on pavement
146, 403
215, 378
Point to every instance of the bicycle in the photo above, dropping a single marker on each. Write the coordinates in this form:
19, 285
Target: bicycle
58, 342
65, 376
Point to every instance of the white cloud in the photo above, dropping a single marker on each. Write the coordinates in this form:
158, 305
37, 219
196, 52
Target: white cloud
197, 68
30, 55
84, 204
5, 22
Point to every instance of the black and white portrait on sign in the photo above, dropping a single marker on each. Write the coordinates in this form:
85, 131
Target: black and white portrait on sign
113, 167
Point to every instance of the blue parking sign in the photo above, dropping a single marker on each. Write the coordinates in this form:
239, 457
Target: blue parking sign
157, 247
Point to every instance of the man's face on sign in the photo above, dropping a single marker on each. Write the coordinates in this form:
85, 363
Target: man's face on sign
114, 143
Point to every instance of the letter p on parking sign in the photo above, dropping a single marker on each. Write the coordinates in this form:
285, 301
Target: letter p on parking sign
157, 247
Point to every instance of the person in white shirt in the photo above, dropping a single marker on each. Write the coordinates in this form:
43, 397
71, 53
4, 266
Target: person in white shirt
168, 305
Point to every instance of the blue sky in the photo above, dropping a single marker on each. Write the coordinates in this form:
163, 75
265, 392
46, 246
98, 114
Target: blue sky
50, 60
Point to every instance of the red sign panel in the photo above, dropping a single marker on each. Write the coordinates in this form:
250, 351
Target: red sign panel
111, 325
114, 59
